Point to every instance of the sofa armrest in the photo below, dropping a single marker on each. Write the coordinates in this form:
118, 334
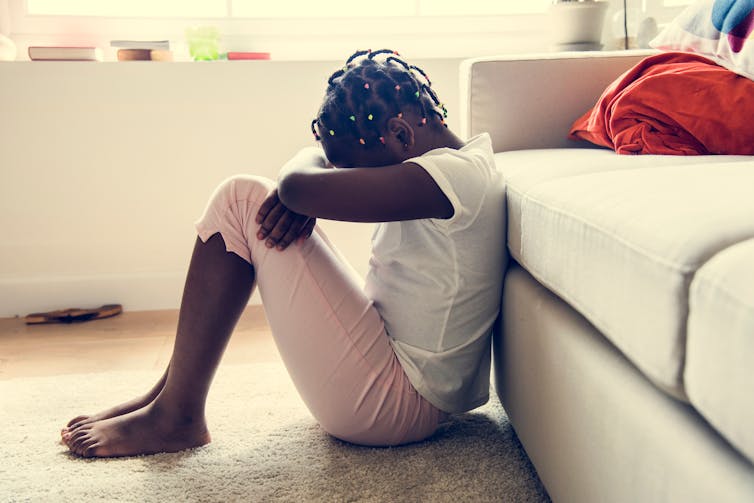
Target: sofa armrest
530, 101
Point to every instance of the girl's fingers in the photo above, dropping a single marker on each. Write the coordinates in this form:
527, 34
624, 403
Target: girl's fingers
271, 220
270, 202
280, 226
286, 220
295, 230
306, 230
309, 228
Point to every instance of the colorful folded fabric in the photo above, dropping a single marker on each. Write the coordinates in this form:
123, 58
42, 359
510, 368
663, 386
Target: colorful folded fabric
719, 29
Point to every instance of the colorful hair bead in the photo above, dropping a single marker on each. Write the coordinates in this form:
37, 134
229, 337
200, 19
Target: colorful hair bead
400, 115
366, 85
353, 118
416, 94
424, 121
397, 87
382, 140
332, 133
370, 116
361, 140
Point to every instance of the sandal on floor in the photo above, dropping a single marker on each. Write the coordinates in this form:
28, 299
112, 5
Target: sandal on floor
74, 315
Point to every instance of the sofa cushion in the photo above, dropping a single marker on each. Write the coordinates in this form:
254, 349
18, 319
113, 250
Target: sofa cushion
720, 347
620, 238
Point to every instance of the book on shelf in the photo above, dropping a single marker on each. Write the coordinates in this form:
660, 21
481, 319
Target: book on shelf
242, 55
64, 53
145, 55
160, 45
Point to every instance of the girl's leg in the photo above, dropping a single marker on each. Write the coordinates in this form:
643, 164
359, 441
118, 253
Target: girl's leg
217, 289
329, 335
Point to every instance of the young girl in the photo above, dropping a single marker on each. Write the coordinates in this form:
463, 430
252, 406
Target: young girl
379, 366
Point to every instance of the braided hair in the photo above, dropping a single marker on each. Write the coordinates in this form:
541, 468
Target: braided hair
368, 91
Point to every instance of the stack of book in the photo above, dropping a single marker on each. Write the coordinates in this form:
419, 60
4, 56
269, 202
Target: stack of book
143, 50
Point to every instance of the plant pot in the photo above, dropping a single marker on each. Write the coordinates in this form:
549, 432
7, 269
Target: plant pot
577, 25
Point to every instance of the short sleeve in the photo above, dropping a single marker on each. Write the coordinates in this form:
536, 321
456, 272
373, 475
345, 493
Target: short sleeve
463, 176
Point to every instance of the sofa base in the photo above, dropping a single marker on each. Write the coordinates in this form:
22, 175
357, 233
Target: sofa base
594, 427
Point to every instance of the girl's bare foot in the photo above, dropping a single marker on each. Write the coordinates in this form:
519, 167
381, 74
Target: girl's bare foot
118, 410
148, 430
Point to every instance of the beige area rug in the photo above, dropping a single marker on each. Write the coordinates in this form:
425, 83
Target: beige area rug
266, 447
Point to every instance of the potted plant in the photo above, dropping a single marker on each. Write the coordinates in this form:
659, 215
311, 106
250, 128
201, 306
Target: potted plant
577, 25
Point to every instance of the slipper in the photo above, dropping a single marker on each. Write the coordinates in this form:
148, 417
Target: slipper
74, 315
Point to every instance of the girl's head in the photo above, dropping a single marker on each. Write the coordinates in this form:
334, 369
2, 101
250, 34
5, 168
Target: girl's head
373, 108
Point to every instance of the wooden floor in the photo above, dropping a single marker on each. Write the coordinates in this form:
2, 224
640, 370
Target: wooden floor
140, 340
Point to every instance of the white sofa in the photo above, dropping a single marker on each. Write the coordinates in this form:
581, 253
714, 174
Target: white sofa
624, 354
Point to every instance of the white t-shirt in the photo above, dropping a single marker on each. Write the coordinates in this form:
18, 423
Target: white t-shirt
437, 282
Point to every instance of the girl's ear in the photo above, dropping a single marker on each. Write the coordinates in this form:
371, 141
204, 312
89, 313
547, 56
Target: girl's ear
401, 131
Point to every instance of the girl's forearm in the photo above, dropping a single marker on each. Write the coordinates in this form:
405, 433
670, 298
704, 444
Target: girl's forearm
307, 158
293, 175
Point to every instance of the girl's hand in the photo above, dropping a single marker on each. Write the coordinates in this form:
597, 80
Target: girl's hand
281, 226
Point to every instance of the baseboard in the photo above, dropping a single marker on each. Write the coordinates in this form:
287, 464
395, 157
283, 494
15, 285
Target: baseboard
136, 292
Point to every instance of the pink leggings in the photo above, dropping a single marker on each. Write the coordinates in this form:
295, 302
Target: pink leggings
329, 334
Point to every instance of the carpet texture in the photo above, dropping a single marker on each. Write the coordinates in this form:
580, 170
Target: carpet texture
266, 447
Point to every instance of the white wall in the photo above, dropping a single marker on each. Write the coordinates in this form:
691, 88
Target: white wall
104, 167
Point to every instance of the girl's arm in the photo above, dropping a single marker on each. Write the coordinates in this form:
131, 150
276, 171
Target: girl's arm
279, 226
402, 191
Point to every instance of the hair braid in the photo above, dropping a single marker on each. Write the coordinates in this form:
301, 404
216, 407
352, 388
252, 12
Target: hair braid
370, 88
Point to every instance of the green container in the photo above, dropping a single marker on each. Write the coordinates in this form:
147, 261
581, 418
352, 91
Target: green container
203, 43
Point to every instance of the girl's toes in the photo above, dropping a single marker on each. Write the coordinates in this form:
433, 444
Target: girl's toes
77, 419
87, 448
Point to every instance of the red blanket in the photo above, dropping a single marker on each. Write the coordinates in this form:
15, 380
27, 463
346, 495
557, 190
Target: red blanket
673, 103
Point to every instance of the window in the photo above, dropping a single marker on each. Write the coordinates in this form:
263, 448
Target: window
302, 29
283, 8
294, 29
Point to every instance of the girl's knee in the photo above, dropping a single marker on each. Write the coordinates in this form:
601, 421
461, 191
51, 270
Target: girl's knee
243, 188
232, 209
